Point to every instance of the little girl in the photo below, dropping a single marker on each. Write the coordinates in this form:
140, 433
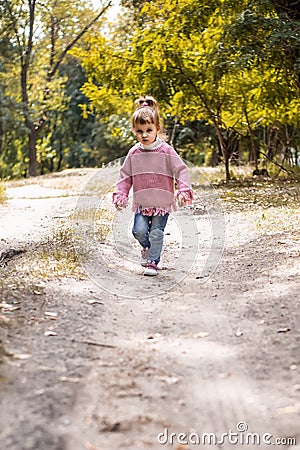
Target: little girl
151, 168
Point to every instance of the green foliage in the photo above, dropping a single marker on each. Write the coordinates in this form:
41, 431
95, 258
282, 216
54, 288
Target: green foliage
217, 62
226, 75
194, 140
37, 37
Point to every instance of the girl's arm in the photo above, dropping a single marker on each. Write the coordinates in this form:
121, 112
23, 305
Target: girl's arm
122, 188
184, 194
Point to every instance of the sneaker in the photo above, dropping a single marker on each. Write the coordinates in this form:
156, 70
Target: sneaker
151, 269
144, 256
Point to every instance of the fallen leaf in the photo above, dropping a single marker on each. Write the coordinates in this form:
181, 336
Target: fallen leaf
94, 302
70, 379
50, 333
21, 356
89, 446
4, 319
291, 409
9, 307
151, 339
224, 375
202, 334
171, 379
40, 392
50, 314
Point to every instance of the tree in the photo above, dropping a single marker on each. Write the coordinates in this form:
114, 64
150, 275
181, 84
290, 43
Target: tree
71, 139
12, 130
264, 42
203, 61
176, 54
43, 33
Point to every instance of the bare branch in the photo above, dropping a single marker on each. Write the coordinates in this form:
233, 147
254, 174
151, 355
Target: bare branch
63, 54
14, 27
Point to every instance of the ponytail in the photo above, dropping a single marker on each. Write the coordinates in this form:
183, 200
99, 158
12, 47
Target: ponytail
146, 111
146, 101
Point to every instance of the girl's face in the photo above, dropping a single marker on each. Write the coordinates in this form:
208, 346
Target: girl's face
146, 134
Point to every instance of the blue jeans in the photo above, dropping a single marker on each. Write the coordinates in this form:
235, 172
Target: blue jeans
149, 231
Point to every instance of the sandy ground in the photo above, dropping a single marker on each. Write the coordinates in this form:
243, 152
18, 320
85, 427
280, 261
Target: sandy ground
99, 357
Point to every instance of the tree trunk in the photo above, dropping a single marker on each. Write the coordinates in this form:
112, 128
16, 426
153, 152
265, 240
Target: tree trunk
1, 136
253, 154
215, 157
224, 145
25, 59
32, 139
227, 171
60, 157
173, 134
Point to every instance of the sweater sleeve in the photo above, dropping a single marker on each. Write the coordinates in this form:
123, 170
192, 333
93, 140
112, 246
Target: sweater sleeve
182, 177
124, 183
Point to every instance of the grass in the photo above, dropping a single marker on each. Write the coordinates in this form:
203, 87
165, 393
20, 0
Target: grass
52, 259
271, 205
246, 191
3, 196
259, 194
216, 175
280, 219
57, 257
24, 278
60, 255
85, 181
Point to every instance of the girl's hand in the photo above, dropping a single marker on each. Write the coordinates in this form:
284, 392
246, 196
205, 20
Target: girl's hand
184, 198
121, 204
181, 200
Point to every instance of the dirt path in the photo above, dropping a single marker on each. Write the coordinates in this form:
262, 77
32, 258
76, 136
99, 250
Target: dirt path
85, 367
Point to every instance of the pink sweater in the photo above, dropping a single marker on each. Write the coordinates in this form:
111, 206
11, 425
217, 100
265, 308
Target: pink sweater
151, 174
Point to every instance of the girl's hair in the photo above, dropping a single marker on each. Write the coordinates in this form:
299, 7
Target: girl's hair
146, 112
146, 101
